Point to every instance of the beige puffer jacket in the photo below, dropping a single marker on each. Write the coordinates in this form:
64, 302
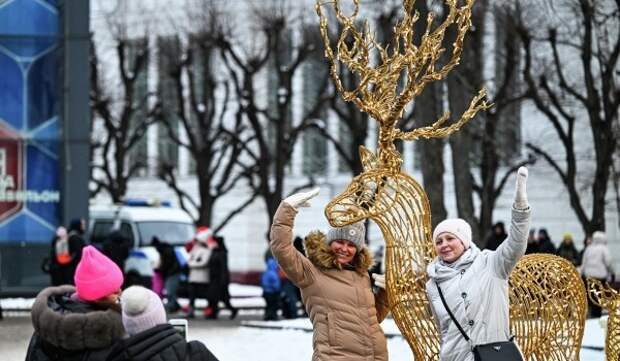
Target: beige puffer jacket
345, 313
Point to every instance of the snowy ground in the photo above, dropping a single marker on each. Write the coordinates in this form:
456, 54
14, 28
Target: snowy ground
249, 336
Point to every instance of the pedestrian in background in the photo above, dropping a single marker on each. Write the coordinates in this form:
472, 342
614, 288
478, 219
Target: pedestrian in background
272, 287
567, 249
586, 242
497, 236
532, 242
82, 322
220, 279
170, 270
65, 254
151, 338
597, 264
116, 247
199, 276
545, 245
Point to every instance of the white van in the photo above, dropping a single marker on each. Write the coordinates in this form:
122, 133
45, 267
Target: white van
139, 221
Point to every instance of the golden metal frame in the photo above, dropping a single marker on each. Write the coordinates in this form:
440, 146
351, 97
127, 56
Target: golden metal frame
609, 299
546, 293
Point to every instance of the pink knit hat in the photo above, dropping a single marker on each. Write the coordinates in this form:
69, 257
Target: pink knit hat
96, 276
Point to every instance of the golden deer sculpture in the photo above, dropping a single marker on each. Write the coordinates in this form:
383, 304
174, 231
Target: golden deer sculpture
609, 299
547, 316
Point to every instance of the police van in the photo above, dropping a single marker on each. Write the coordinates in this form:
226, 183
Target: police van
139, 221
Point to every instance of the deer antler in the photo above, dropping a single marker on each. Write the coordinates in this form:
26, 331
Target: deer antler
437, 131
381, 70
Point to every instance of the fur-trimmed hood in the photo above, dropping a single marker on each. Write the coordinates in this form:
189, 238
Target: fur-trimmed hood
319, 253
71, 324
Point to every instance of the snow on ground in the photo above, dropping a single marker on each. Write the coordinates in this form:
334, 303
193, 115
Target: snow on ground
292, 339
593, 339
294, 344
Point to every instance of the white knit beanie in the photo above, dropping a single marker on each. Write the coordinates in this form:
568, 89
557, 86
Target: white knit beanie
599, 237
355, 233
456, 226
142, 309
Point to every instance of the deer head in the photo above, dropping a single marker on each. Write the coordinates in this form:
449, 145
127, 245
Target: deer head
390, 77
604, 296
368, 195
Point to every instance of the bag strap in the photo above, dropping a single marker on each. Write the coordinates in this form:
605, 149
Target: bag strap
458, 325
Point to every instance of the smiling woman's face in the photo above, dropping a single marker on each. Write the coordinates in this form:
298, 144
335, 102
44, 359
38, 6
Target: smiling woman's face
344, 250
449, 247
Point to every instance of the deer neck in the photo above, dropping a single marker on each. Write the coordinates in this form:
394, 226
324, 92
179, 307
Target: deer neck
406, 221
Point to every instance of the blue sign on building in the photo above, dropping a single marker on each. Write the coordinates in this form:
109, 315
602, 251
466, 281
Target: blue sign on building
30, 85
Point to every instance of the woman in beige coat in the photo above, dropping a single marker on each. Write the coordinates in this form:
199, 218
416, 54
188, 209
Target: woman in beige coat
335, 286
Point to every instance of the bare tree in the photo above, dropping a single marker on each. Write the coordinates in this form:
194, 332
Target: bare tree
273, 126
585, 90
462, 84
498, 138
197, 102
123, 106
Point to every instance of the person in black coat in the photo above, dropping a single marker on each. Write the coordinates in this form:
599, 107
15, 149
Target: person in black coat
65, 254
150, 337
544, 242
117, 247
170, 270
497, 236
79, 323
567, 249
219, 279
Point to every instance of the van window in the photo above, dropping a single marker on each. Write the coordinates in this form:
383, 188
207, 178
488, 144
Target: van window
101, 229
170, 232
126, 232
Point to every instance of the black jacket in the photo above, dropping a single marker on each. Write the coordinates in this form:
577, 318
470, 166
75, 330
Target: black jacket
116, 247
160, 343
68, 329
169, 264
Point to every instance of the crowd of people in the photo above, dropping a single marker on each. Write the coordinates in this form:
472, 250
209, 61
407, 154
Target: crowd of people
94, 319
202, 274
592, 261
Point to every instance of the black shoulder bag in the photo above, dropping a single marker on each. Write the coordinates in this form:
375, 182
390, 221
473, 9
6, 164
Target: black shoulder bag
496, 351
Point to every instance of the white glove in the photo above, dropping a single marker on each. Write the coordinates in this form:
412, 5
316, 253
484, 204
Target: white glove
520, 192
379, 280
301, 199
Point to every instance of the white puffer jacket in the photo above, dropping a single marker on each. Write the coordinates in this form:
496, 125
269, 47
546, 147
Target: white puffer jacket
476, 290
596, 261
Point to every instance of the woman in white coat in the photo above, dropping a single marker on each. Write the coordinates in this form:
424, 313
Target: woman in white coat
474, 283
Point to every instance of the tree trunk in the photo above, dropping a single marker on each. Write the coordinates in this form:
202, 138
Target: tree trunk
463, 85
429, 109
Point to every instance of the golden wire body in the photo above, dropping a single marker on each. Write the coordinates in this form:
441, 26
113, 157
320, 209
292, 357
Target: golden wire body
609, 299
547, 296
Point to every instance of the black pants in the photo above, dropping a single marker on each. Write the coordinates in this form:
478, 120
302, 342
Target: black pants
196, 290
273, 304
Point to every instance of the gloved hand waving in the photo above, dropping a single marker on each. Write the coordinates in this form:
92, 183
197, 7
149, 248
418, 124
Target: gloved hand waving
521, 192
301, 199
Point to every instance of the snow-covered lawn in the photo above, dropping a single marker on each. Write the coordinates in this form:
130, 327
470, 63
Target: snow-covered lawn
290, 339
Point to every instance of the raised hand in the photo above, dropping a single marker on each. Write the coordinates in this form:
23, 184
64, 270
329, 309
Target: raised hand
301, 199
521, 191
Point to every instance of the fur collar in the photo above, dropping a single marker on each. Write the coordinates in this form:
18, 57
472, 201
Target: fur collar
322, 256
69, 330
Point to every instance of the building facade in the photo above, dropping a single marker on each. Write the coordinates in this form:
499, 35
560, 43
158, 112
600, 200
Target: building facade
246, 233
